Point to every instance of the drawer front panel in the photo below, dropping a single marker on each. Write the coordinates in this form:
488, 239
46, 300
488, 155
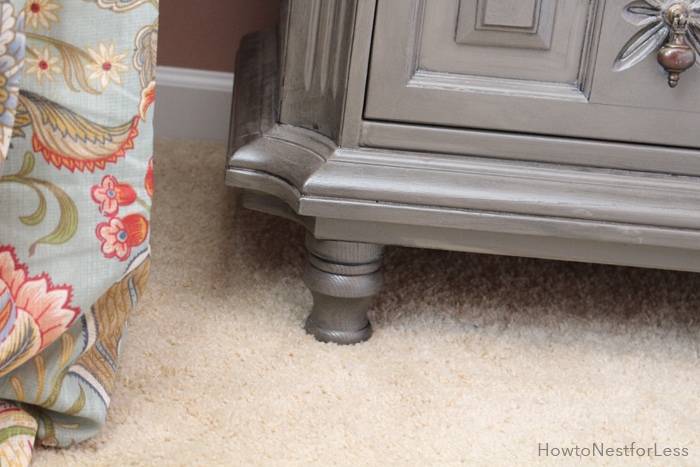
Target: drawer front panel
528, 66
493, 39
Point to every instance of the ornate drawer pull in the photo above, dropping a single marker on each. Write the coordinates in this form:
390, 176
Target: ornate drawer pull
676, 56
676, 25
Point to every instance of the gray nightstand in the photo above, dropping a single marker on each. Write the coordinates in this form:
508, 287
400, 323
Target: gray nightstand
519, 127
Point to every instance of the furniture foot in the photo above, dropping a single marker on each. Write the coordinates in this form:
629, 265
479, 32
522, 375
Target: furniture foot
343, 277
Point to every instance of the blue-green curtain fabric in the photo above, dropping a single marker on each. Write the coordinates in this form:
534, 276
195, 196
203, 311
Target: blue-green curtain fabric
77, 84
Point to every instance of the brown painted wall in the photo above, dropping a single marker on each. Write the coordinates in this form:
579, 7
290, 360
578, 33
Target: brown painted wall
204, 34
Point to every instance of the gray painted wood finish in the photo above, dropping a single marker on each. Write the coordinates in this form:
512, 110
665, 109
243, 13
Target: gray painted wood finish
419, 73
553, 54
361, 183
315, 71
505, 23
343, 277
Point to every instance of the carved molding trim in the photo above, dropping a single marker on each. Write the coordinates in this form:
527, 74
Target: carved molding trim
314, 73
506, 23
510, 87
312, 44
323, 45
506, 16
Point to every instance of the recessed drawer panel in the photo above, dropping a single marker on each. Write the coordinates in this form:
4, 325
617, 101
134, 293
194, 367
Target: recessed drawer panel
543, 67
495, 37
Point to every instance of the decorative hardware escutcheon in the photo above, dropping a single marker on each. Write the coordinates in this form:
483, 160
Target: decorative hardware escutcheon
672, 27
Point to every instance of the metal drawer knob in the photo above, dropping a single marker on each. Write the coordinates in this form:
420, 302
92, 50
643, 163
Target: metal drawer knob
671, 27
676, 56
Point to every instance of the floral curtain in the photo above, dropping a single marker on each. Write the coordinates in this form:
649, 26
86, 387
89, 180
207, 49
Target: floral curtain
77, 80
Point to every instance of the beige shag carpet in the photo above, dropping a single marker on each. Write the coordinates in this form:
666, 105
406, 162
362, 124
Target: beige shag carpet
475, 360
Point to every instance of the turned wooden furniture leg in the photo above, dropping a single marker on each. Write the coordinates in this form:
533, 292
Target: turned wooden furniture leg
343, 277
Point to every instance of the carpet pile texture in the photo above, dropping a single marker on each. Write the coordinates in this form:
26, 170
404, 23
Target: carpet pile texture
475, 360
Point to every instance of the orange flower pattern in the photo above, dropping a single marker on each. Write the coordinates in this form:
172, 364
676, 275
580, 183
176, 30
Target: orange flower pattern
33, 312
112, 194
119, 236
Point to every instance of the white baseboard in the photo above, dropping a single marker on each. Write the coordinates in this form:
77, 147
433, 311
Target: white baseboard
192, 104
